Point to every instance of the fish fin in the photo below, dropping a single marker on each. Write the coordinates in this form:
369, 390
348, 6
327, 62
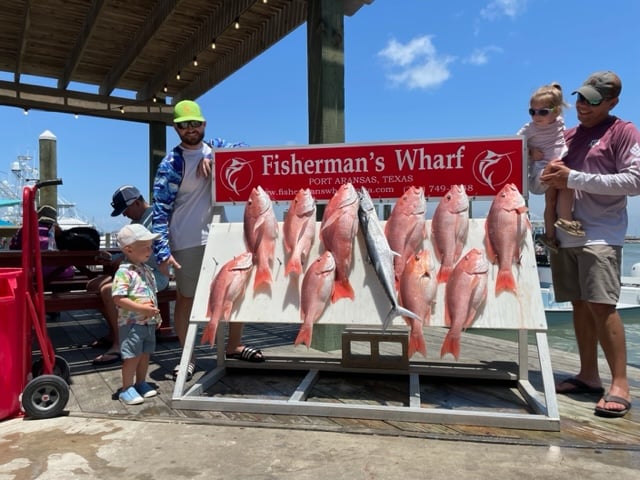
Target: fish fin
263, 279
209, 334
451, 345
444, 273
293, 266
304, 335
417, 344
406, 313
396, 312
342, 289
505, 281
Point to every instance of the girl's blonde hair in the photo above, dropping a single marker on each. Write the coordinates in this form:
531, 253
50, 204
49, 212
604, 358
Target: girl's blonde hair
550, 94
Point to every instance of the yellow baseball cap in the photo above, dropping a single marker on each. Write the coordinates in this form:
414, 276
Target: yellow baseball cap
186, 110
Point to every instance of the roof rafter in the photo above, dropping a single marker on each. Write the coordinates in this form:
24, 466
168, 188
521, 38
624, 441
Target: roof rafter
81, 42
159, 15
212, 26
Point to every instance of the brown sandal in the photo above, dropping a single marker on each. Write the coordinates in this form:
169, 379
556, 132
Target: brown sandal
572, 227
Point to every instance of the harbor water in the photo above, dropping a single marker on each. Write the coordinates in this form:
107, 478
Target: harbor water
560, 334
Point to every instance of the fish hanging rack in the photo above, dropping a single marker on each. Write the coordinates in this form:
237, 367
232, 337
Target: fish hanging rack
537, 406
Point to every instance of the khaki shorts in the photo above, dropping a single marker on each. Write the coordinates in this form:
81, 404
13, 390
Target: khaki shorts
190, 260
590, 273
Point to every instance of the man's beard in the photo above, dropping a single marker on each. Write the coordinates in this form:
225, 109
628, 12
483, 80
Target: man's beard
190, 140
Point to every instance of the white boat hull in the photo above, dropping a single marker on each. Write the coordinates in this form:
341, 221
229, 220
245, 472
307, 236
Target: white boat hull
628, 304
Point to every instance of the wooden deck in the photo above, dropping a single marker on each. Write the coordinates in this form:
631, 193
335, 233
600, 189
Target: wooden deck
93, 390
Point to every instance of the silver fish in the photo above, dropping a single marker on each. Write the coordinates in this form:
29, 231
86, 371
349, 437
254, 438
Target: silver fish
381, 256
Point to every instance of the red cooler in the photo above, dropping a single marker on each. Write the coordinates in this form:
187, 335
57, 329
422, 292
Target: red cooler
15, 343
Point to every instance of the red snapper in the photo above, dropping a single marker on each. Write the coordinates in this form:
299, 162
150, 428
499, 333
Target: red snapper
260, 233
317, 287
227, 288
507, 226
449, 228
337, 231
465, 294
299, 230
418, 289
406, 228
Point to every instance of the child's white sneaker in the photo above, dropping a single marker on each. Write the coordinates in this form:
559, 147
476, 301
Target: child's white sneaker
130, 396
146, 390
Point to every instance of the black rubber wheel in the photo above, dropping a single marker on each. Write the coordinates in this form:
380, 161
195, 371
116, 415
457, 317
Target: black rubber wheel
45, 396
60, 369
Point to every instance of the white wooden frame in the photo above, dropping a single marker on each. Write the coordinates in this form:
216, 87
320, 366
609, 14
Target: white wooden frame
522, 312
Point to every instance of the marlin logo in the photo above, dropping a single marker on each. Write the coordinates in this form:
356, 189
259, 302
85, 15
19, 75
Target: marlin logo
486, 166
236, 173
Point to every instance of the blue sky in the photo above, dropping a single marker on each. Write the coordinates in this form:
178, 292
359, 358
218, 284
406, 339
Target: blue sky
414, 69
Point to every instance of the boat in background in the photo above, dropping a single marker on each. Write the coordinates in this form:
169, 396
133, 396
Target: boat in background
23, 173
560, 312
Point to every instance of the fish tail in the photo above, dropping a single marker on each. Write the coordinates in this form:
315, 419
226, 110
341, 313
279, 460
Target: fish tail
293, 266
209, 334
444, 273
450, 344
263, 278
505, 281
405, 313
342, 289
397, 311
416, 342
304, 335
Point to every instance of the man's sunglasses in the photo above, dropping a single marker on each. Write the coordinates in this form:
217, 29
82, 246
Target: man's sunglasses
543, 112
581, 98
190, 123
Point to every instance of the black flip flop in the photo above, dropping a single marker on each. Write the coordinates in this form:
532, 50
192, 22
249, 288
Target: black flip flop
100, 361
612, 413
579, 387
102, 342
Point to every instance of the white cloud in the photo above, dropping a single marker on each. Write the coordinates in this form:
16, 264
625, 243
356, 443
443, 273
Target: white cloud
416, 64
499, 8
480, 56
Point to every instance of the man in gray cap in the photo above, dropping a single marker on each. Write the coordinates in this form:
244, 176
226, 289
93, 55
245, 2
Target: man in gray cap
602, 166
128, 201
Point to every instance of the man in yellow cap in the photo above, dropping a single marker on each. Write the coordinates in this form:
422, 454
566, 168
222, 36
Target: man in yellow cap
182, 213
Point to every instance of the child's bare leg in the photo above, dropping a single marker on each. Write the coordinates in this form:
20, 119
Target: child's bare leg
142, 368
129, 368
550, 197
565, 204
549, 239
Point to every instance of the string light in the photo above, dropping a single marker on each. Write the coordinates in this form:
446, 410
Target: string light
165, 89
155, 99
236, 23
195, 61
122, 110
178, 75
213, 44
75, 115
26, 111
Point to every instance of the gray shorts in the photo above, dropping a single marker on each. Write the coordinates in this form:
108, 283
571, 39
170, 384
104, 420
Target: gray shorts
137, 339
190, 260
590, 273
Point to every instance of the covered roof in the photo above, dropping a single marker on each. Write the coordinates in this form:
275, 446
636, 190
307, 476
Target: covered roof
122, 58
